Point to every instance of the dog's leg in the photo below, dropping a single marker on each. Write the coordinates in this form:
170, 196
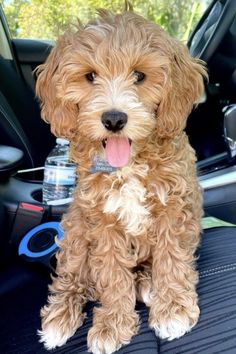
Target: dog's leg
174, 310
115, 322
144, 284
62, 316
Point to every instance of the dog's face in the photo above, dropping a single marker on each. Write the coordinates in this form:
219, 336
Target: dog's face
116, 81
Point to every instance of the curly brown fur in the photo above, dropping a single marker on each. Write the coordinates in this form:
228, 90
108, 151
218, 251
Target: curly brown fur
131, 233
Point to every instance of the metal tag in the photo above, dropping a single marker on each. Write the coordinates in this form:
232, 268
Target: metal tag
101, 165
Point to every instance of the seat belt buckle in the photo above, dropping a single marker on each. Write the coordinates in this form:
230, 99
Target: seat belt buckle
27, 216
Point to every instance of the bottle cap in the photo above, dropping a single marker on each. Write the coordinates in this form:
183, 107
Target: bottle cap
61, 141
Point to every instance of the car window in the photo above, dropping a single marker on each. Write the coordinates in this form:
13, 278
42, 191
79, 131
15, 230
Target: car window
5, 51
46, 19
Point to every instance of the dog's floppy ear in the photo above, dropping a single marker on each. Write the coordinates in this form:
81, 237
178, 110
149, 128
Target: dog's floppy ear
61, 114
183, 88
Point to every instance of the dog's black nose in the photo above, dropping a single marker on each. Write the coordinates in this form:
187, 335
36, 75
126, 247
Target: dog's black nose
114, 120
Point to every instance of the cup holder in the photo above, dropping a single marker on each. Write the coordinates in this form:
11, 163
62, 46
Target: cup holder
37, 195
56, 210
39, 244
30, 176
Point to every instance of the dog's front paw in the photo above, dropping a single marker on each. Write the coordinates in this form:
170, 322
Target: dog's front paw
110, 332
53, 336
174, 325
144, 288
58, 325
102, 342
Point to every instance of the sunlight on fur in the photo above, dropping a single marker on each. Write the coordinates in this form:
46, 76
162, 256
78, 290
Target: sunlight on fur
120, 89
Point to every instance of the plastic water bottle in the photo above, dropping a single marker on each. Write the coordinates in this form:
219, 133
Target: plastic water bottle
59, 175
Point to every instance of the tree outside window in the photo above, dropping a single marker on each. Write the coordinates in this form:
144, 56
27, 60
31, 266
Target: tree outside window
47, 19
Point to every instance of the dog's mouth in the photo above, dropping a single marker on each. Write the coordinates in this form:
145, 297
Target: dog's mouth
117, 150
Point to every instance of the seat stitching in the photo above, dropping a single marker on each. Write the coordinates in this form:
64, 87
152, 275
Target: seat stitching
216, 268
217, 272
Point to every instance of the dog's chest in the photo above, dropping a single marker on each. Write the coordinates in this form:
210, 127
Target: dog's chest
129, 204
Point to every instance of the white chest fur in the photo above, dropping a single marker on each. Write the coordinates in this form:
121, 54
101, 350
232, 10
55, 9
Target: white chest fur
129, 205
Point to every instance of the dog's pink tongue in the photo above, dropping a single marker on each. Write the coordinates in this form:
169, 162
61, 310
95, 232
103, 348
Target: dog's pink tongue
117, 151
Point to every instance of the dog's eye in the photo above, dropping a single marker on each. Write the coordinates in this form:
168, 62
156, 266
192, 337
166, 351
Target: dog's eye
139, 77
90, 76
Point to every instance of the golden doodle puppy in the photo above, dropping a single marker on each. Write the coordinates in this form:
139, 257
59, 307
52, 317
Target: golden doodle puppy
120, 89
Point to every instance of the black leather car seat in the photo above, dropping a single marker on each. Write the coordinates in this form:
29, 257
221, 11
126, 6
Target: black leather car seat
20, 122
11, 132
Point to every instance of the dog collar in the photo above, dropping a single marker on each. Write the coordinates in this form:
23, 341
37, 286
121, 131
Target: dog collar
99, 164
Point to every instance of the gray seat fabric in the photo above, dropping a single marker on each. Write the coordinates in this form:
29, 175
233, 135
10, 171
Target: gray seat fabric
214, 333
216, 329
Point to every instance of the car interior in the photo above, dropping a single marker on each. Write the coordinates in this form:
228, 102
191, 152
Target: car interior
25, 142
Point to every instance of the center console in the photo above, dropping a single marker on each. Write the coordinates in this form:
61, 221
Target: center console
21, 207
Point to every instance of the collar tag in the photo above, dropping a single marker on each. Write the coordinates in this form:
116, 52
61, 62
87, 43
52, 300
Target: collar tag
101, 165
